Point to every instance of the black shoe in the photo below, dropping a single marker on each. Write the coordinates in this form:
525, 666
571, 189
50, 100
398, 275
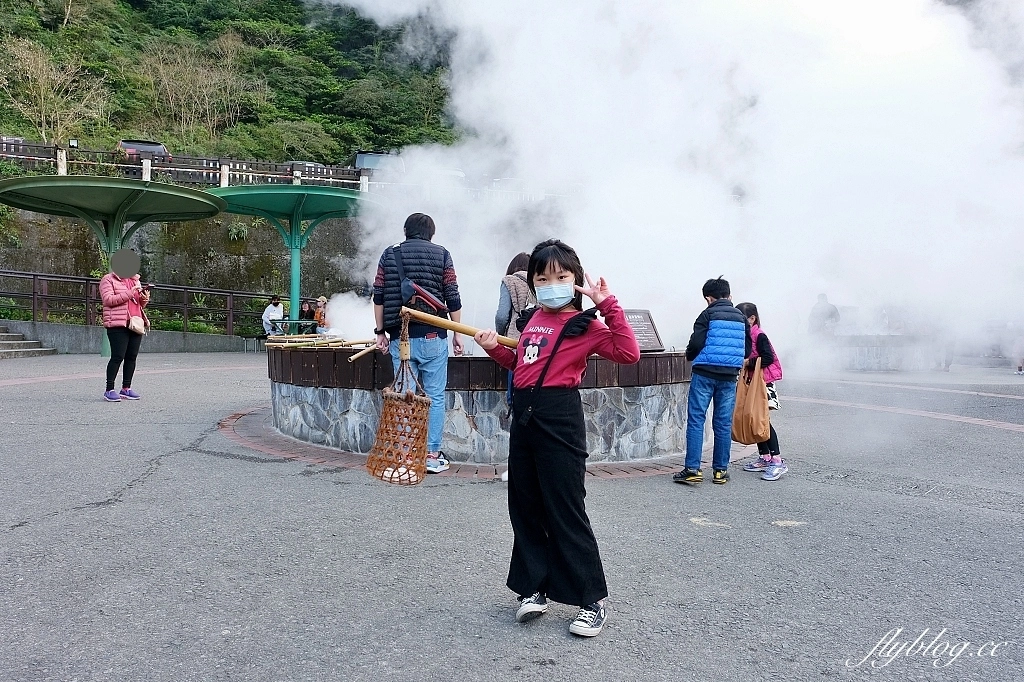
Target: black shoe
721, 476
688, 476
531, 607
589, 620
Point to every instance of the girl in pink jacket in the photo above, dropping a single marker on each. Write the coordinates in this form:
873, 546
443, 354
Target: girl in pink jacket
123, 298
769, 461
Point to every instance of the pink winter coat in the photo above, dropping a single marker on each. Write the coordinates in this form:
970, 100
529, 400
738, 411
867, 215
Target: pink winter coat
116, 293
772, 372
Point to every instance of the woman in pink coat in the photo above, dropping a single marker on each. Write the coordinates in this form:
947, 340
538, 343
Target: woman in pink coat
124, 297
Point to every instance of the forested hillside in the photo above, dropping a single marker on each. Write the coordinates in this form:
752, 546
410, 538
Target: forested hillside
268, 79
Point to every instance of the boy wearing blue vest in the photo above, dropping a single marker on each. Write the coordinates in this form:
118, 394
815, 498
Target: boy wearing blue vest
719, 345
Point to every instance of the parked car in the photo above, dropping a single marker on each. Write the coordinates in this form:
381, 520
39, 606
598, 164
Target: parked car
508, 184
306, 166
10, 144
133, 148
448, 176
380, 161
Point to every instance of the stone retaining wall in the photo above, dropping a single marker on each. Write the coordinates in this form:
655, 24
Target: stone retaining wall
80, 338
623, 423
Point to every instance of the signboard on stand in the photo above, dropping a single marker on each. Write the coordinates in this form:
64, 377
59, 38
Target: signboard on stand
646, 333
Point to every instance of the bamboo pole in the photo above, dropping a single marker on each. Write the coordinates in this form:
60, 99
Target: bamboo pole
316, 343
456, 327
356, 356
287, 338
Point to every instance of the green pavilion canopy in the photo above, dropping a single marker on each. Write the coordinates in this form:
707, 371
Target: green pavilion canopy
108, 205
300, 207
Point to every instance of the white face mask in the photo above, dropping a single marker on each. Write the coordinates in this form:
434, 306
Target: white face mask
555, 295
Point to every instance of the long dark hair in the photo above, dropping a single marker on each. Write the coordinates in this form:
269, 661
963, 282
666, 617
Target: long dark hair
560, 253
749, 309
518, 264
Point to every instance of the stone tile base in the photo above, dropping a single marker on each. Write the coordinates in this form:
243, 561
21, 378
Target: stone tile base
623, 424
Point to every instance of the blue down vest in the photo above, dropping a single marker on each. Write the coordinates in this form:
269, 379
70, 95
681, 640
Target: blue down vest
424, 263
726, 344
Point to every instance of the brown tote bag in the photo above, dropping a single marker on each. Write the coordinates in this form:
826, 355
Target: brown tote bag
750, 423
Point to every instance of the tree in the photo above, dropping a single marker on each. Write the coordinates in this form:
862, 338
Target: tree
202, 91
55, 96
306, 140
430, 94
59, 14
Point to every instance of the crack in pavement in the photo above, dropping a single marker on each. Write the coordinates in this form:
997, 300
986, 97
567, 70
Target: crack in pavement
118, 495
252, 459
314, 470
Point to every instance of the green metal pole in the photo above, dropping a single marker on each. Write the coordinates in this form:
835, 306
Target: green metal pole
294, 295
112, 244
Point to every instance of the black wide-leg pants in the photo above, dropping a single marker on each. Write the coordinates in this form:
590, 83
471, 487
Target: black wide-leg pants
555, 551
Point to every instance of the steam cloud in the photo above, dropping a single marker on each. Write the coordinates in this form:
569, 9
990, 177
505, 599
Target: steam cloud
869, 149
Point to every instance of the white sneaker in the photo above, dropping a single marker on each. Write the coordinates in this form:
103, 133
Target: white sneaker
774, 471
589, 621
531, 607
436, 465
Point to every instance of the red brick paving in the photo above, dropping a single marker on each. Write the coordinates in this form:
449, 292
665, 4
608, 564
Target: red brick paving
254, 429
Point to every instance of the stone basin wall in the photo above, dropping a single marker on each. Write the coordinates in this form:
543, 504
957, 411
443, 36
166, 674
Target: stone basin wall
623, 422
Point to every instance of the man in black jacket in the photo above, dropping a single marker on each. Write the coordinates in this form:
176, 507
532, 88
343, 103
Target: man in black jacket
430, 266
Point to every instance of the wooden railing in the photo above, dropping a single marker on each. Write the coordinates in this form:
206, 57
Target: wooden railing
184, 170
207, 172
42, 297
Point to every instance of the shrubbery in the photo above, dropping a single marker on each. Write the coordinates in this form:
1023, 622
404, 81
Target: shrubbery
266, 79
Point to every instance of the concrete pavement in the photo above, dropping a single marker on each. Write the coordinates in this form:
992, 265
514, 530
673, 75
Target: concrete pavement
137, 542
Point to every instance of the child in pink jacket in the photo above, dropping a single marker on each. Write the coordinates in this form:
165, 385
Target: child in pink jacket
769, 461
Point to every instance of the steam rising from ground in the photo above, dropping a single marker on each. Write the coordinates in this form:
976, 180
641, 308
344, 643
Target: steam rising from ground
869, 149
350, 317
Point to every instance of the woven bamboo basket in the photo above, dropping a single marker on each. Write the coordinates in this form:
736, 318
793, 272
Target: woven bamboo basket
399, 454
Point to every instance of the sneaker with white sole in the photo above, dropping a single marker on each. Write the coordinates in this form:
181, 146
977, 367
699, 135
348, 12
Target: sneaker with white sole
129, 394
112, 396
436, 465
759, 464
589, 621
774, 471
531, 607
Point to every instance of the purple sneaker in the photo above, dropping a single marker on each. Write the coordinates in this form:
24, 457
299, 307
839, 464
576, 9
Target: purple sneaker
129, 394
112, 396
759, 464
